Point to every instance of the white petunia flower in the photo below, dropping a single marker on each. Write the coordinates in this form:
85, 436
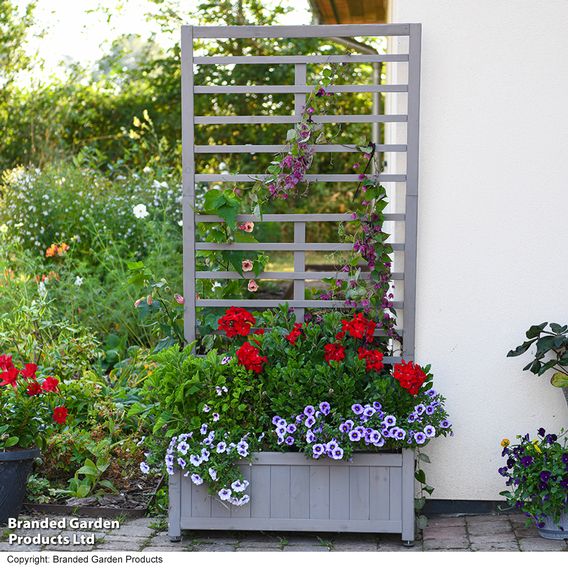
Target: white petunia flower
140, 211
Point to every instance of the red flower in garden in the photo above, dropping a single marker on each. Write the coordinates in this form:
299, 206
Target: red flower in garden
250, 358
29, 371
6, 362
334, 352
373, 359
9, 377
60, 414
339, 336
33, 389
294, 335
410, 376
50, 384
259, 331
359, 327
236, 321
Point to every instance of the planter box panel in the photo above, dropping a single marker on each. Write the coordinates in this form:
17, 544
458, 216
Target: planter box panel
368, 494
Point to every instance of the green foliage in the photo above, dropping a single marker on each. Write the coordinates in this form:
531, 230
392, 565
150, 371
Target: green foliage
551, 343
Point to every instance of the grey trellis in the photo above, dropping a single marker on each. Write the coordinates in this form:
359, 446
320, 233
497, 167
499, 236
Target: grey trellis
376, 491
300, 89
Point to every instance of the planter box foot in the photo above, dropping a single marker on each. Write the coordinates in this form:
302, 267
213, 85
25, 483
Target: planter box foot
175, 538
408, 543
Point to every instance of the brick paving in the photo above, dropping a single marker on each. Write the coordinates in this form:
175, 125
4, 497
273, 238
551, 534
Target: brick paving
503, 532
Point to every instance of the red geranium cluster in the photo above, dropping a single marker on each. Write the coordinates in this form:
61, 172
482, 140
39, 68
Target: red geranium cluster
250, 358
294, 335
334, 352
236, 321
359, 327
410, 376
9, 374
373, 359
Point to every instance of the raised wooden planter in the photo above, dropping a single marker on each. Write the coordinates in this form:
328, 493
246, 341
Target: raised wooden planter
290, 492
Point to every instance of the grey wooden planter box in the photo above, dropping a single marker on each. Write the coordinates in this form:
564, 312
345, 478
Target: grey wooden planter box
290, 492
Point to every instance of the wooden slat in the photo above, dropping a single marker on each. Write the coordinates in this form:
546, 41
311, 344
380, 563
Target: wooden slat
319, 492
359, 493
349, 30
229, 178
284, 246
291, 275
280, 499
294, 218
377, 459
292, 59
260, 480
299, 488
293, 119
338, 497
279, 148
379, 493
294, 89
263, 303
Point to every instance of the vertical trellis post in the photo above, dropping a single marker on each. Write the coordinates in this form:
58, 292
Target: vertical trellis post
188, 183
411, 206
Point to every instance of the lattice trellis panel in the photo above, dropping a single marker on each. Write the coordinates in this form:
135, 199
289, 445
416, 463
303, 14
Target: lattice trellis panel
299, 89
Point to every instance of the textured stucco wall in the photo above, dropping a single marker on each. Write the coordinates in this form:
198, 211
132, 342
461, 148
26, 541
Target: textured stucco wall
493, 221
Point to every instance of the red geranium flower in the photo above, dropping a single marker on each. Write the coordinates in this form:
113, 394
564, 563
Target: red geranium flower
294, 335
33, 389
334, 352
373, 359
9, 377
60, 414
236, 321
410, 376
250, 358
50, 384
6, 362
29, 371
359, 327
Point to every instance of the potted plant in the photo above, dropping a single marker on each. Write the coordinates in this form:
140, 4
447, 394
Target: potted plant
537, 477
30, 405
551, 353
280, 418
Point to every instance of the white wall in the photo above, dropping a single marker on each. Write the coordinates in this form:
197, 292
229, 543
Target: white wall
493, 221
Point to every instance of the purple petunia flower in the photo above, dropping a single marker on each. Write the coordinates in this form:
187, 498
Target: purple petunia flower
430, 410
280, 431
309, 410
182, 463
377, 405
412, 418
310, 421
213, 474
282, 423
369, 411
144, 468
337, 453
389, 420
445, 424
242, 448
203, 429
239, 486
419, 409
197, 479
344, 427
291, 428
183, 448
431, 393
430, 431
275, 420
221, 447
225, 494
325, 408
354, 436
310, 437
420, 437
195, 460
318, 450
357, 409
289, 441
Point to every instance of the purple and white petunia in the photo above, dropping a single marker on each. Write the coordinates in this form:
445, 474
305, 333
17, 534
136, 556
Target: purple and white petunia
196, 479
183, 448
224, 494
309, 410
221, 448
389, 420
213, 474
430, 431
325, 408
144, 468
420, 437
357, 409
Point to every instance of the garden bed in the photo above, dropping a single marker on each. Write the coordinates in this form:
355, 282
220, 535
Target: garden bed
374, 492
